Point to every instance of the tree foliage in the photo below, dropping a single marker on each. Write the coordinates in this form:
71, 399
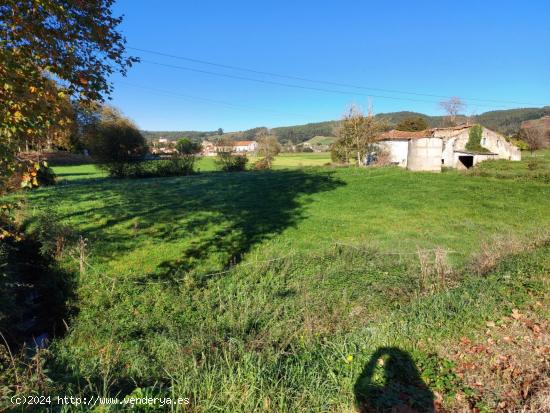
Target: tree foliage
412, 124
115, 143
51, 51
185, 146
268, 149
357, 133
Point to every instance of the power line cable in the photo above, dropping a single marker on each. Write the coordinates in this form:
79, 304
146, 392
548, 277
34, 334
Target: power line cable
304, 79
318, 89
208, 100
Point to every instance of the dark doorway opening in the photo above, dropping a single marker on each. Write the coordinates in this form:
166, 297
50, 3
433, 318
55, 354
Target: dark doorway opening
467, 160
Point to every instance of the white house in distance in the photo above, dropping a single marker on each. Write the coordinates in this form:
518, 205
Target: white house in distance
211, 149
244, 146
431, 149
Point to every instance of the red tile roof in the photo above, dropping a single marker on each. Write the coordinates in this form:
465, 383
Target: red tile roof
242, 143
400, 134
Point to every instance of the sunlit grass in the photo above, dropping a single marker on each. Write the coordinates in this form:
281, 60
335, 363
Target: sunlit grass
253, 289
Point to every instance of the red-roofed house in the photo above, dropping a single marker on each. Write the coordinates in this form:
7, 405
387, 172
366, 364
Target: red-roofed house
244, 146
431, 149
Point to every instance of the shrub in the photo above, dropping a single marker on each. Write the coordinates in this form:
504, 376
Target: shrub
172, 167
32, 174
262, 164
520, 144
52, 236
229, 162
117, 146
339, 152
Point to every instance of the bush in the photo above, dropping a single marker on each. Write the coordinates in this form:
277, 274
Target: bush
339, 152
229, 162
262, 164
173, 167
30, 174
117, 146
52, 236
520, 144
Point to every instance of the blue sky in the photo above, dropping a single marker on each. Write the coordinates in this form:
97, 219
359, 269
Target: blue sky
498, 51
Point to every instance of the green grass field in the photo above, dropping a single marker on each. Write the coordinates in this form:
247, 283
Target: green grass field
270, 290
205, 164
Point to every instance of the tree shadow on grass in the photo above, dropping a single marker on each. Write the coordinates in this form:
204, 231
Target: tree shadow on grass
214, 218
390, 382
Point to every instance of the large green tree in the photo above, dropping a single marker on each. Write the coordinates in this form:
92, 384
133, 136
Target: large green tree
52, 50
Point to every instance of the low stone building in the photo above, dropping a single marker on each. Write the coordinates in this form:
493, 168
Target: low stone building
431, 149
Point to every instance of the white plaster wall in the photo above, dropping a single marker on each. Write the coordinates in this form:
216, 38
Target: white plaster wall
448, 152
497, 143
398, 150
425, 154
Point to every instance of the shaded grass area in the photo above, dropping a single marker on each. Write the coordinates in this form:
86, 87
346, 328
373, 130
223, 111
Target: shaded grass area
271, 291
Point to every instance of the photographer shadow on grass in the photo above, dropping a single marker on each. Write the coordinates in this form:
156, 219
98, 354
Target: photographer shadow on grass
391, 382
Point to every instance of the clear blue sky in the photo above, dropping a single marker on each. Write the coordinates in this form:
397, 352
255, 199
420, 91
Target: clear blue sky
494, 50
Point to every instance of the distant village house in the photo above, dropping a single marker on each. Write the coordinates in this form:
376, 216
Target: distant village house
240, 147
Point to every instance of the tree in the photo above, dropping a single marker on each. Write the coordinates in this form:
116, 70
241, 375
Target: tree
533, 137
220, 131
268, 147
412, 124
116, 144
187, 155
185, 146
452, 107
74, 42
358, 132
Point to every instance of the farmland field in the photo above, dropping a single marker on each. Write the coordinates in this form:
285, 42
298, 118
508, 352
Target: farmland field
205, 164
270, 290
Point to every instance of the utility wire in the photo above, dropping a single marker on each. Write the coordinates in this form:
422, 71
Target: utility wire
313, 88
325, 82
208, 100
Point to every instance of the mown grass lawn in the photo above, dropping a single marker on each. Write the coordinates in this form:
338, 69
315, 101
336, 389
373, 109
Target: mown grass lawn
270, 290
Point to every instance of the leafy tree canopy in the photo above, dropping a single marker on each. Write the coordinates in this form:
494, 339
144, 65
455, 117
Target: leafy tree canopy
413, 124
185, 146
52, 50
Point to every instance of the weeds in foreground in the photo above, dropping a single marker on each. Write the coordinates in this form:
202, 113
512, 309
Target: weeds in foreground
292, 346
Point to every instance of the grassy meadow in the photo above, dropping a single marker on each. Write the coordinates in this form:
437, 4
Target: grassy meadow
271, 290
205, 164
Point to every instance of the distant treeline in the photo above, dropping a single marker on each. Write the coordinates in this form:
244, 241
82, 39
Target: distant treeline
507, 122
175, 135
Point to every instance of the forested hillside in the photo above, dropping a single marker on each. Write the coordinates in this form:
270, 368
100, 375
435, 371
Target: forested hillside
507, 122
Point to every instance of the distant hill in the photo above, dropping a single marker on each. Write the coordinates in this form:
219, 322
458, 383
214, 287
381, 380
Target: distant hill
321, 141
174, 135
543, 124
507, 122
